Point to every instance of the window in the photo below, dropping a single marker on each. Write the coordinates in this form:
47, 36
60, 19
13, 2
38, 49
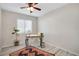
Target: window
24, 26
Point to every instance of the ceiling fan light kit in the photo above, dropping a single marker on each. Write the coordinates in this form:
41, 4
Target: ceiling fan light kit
30, 9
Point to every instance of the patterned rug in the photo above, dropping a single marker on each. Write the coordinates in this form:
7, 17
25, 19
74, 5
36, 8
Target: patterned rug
31, 51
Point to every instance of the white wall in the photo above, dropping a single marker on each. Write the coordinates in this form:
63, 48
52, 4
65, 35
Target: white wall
0, 30
9, 21
61, 27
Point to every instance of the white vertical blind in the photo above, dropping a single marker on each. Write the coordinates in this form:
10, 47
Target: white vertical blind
24, 26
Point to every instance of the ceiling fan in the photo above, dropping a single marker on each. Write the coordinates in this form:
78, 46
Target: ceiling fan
31, 7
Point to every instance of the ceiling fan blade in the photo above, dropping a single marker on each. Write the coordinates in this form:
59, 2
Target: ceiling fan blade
22, 7
35, 3
37, 8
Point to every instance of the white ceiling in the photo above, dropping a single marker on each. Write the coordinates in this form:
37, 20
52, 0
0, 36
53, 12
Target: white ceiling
46, 7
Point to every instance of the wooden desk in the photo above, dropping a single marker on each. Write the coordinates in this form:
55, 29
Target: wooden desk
40, 36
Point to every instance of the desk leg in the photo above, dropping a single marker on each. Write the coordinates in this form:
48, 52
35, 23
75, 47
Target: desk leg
26, 42
41, 42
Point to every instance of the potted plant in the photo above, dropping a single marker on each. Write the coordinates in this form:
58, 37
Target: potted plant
15, 32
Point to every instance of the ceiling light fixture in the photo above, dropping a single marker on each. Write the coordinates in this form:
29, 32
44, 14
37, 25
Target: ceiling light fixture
31, 9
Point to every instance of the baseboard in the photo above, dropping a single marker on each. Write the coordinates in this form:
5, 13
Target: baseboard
9, 45
51, 44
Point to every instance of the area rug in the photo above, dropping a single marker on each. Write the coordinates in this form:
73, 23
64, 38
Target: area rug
31, 51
